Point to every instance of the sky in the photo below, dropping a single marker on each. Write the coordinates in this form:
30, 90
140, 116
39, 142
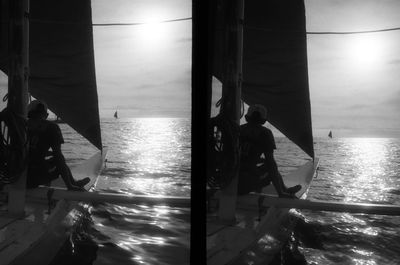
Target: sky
142, 70
145, 70
354, 79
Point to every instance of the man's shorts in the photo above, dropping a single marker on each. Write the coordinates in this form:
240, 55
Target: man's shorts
41, 174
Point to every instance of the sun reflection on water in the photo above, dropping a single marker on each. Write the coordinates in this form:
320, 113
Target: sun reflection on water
367, 158
157, 136
156, 156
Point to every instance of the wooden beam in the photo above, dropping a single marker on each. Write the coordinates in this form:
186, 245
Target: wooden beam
317, 205
99, 197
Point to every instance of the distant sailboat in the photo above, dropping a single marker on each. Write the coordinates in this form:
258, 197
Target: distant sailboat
330, 134
116, 114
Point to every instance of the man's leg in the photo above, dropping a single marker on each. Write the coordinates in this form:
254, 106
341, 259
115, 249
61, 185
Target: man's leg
80, 183
280, 187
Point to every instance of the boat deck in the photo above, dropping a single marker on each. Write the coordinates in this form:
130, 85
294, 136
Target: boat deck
19, 236
37, 236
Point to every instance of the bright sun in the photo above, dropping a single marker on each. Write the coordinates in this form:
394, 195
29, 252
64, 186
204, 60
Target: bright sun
153, 35
365, 52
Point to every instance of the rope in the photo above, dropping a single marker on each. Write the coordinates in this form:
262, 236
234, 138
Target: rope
241, 108
219, 102
189, 18
223, 156
13, 146
140, 23
60, 22
324, 32
350, 32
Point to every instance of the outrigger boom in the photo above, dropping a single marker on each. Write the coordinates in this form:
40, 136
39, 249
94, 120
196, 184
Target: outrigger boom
59, 193
317, 205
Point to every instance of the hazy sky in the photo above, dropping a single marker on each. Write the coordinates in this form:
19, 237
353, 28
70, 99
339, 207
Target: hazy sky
143, 70
354, 79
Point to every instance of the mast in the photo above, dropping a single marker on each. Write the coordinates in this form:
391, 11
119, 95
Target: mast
18, 76
231, 91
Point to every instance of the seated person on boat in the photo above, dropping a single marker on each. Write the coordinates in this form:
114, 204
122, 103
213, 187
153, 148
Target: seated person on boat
45, 165
257, 172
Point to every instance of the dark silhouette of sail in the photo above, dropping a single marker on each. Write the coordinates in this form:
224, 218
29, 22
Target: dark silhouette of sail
61, 60
275, 71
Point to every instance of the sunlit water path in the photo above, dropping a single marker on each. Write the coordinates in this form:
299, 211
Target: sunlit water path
148, 156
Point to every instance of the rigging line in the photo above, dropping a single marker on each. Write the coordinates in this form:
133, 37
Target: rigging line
351, 32
63, 22
140, 23
189, 18
326, 32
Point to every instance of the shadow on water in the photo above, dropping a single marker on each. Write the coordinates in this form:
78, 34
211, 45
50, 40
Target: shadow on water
84, 247
304, 234
308, 234
80, 249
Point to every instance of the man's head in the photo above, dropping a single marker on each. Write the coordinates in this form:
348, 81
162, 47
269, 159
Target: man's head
257, 114
37, 109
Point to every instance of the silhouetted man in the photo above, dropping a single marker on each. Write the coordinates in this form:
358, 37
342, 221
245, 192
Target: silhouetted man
257, 172
45, 165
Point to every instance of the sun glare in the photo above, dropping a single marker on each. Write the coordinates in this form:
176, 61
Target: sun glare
365, 52
153, 34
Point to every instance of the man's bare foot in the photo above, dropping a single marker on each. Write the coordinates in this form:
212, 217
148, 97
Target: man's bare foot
82, 182
293, 189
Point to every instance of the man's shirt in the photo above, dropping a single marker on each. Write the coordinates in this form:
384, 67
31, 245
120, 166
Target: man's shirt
42, 136
254, 140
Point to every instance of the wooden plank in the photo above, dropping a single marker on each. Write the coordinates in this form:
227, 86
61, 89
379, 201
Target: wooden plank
40, 233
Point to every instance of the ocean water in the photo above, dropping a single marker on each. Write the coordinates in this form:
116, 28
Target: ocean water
152, 156
365, 170
145, 156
